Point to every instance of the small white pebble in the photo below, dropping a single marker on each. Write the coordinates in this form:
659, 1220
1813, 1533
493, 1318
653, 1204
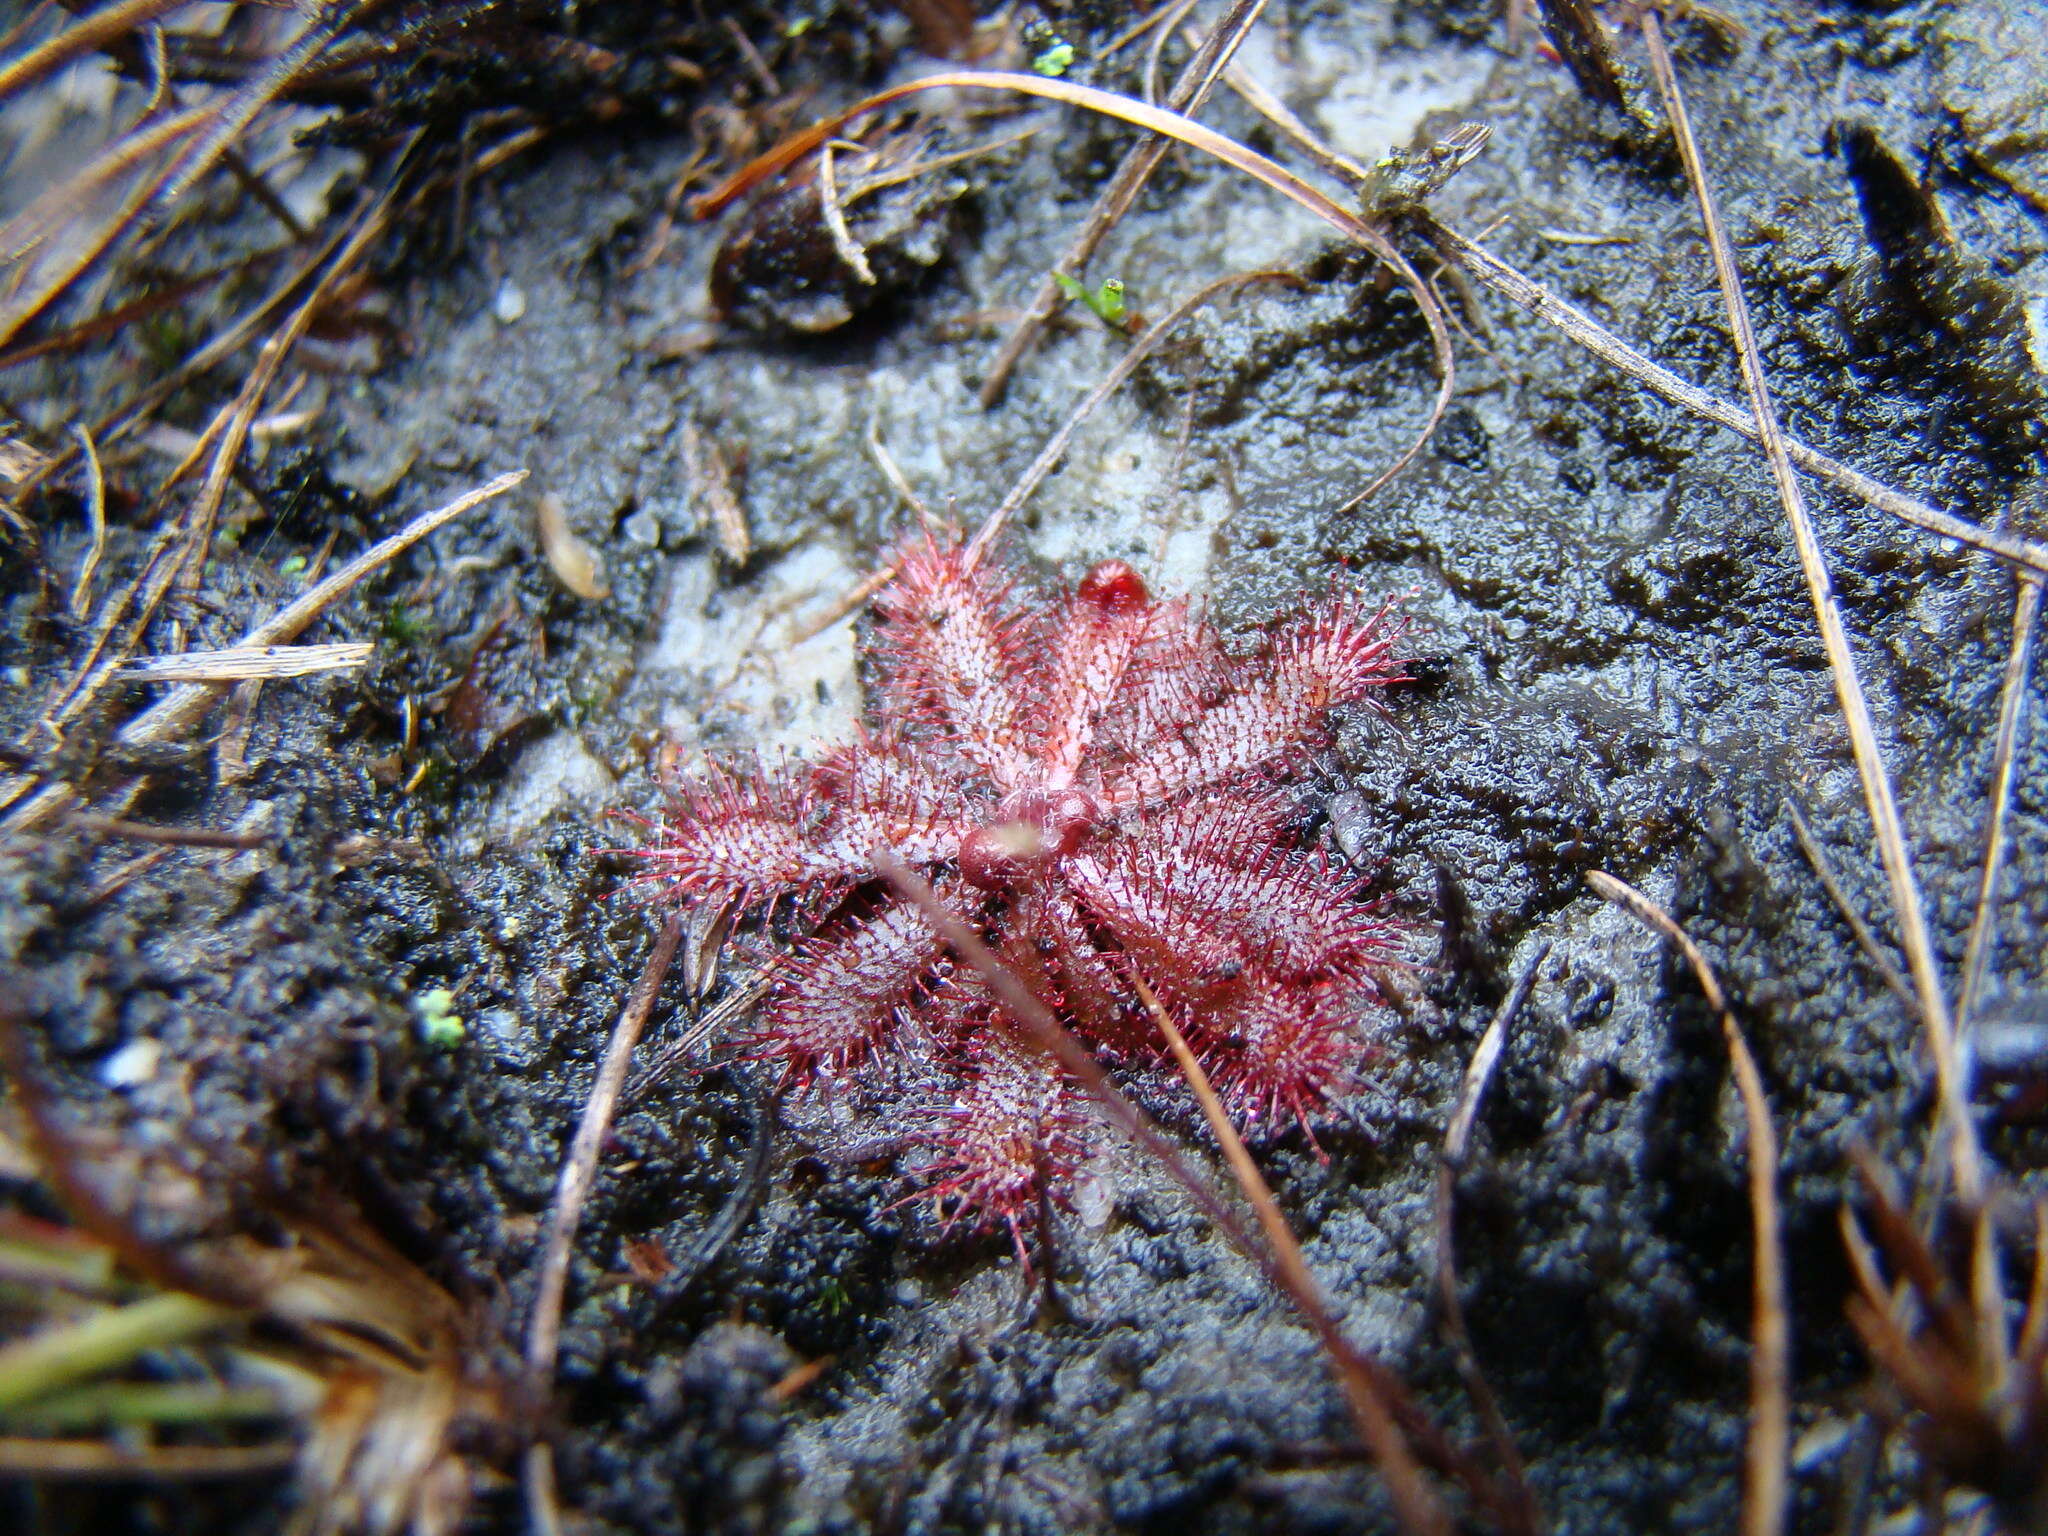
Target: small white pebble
132, 1065
642, 528
1094, 1201
510, 303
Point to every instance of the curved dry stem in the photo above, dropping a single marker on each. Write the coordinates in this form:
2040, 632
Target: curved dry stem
182, 709
234, 424
96, 514
92, 31
1867, 941
1482, 266
50, 243
1766, 1457
1419, 1507
2013, 691
1371, 1391
1914, 932
579, 1168
1457, 1144
1172, 125
1056, 445
1197, 78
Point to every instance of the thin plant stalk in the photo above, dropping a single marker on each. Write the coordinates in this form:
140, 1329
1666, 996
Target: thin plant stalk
63, 1356
1196, 135
183, 708
1866, 940
1450, 1163
1487, 269
1767, 1453
1189, 91
1420, 1509
1370, 1390
1915, 934
565, 1215
1056, 445
91, 31
2012, 696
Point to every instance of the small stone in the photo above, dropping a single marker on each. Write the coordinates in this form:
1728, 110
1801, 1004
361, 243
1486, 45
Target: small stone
1094, 1200
132, 1065
1352, 824
642, 528
510, 304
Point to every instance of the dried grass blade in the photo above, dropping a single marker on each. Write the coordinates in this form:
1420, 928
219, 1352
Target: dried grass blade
131, 610
1480, 264
1040, 1030
183, 708
236, 662
1915, 1259
1254, 93
735, 1006
96, 513
215, 349
1414, 1499
1866, 940
1366, 1382
170, 837
848, 248
1196, 80
1171, 124
233, 116
565, 1214
53, 240
101, 1461
68, 1353
1056, 446
1768, 1450
1457, 1145
579, 1167
1915, 935
2033, 1340
229, 431
91, 31
2012, 694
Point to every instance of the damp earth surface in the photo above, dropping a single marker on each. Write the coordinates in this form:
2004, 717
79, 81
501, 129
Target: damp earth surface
1616, 667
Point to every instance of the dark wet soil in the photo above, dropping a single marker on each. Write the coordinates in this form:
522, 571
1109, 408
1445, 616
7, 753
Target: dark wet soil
1618, 668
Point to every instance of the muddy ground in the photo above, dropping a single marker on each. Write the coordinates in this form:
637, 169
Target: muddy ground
1617, 667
